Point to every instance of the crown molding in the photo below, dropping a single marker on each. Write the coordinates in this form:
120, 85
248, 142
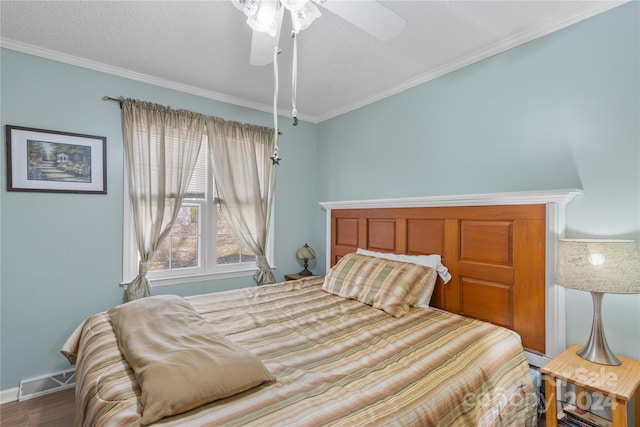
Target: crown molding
561, 197
594, 8
140, 77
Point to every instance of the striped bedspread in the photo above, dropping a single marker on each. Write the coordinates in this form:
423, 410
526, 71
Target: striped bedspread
337, 362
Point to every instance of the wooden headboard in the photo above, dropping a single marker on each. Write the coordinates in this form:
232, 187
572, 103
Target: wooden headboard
495, 254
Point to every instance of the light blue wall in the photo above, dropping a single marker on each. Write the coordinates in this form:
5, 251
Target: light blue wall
558, 112
61, 253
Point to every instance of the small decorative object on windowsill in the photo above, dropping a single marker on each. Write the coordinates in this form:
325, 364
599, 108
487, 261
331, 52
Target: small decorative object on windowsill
306, 254
599, 266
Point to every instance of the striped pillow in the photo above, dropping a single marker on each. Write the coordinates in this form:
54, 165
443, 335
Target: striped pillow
384, 284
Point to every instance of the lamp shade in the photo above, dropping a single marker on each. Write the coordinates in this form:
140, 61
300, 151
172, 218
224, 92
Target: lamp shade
608, 266
306, 252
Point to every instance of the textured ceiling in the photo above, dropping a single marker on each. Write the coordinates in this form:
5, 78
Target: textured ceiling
202, 47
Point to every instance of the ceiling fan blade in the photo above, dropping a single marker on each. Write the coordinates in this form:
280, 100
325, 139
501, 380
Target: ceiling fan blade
368, 15
262, 44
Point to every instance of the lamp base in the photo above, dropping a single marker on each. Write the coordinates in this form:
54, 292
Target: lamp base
305, 272
596, 349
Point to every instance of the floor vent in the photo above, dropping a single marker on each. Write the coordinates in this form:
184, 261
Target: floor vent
57, 381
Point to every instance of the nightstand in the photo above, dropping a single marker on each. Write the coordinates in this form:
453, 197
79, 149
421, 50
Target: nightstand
617, 384
294, 276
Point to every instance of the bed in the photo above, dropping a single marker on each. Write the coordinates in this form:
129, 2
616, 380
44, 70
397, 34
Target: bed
335, 356
496, 255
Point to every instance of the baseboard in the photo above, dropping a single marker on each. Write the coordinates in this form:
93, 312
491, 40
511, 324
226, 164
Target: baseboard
9, 395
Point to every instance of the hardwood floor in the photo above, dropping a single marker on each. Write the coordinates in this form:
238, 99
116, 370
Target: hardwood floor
52, 410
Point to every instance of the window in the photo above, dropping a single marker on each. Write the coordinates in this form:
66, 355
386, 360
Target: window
201, 245
181, 249
229, 249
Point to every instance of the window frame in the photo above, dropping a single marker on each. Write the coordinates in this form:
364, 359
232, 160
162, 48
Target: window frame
209, 269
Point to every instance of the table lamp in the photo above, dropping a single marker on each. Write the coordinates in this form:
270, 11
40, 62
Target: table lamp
599, 266
305, 254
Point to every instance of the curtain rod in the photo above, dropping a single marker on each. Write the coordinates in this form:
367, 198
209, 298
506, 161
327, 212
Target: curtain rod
108, 98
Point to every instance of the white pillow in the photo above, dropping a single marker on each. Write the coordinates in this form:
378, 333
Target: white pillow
432, 261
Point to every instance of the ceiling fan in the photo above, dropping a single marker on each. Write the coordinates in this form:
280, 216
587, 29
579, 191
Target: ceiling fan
265, 18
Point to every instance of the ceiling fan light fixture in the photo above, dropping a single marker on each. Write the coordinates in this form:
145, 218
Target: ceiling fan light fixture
239, 4
264, 20
294, 5
302, 18
248, 7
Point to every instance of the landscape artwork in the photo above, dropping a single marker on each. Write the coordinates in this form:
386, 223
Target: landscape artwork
51, 161
55, 162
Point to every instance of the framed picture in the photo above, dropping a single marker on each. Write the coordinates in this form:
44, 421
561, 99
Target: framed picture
55, 162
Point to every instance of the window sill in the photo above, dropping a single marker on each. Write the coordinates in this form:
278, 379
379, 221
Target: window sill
195, 278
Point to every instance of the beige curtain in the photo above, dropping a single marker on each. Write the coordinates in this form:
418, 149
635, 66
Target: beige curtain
161, 149
244, 177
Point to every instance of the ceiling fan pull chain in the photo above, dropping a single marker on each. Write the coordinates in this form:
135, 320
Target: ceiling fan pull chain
276, 52
294, 78
275, 157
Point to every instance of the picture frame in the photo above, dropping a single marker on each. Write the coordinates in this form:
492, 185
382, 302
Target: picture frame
41, 160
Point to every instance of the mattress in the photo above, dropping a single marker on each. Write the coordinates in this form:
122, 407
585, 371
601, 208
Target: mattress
337, 362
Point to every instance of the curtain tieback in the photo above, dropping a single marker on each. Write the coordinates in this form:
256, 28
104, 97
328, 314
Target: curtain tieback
143, 268
262, 263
